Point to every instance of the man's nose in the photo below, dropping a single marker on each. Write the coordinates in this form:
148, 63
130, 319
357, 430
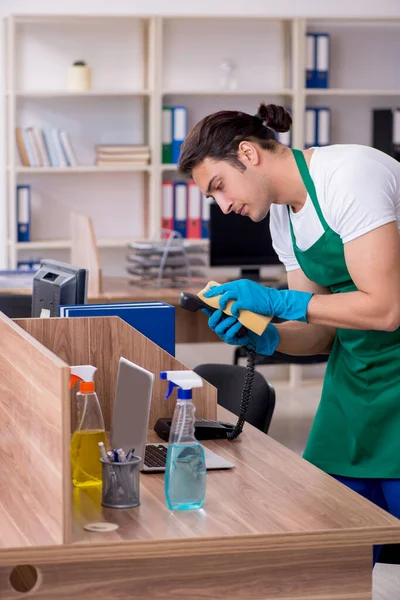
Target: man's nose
225, 205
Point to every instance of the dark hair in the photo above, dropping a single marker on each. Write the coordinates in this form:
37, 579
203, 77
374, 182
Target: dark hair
218, 135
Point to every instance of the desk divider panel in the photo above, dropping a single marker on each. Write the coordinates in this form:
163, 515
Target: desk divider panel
35, 482
35, 413
101, 341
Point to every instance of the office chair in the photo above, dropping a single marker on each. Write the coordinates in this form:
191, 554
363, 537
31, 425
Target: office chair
229, 380
16, 306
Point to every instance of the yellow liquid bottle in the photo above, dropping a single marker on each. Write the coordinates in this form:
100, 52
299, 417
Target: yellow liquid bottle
89, 431
85, 463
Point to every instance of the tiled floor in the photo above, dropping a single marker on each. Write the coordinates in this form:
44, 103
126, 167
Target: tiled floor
291, 423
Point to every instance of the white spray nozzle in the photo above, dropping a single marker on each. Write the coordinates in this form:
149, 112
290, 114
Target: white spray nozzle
185, 380
83, 373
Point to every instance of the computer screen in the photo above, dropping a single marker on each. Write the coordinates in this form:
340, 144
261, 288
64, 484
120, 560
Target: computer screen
56, 284
237, 241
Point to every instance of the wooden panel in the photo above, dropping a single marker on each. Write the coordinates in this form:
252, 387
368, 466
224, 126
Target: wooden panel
35, 505
101, 341
316, 574
85, 253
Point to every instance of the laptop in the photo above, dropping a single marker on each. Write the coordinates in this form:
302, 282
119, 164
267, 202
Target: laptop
130, 423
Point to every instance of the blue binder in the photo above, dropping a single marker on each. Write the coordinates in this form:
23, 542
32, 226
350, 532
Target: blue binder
317, 60
23, 212
179, 130
311, 60
323, 126
310, 137
318, 126
155, 320
321, 60
180, 207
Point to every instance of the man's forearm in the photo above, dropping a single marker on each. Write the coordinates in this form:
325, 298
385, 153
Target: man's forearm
303, 339
354, 310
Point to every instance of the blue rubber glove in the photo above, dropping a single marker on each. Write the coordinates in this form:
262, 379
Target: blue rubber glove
249, 295
227, 329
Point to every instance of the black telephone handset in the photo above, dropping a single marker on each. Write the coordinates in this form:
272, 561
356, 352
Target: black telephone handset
193, 303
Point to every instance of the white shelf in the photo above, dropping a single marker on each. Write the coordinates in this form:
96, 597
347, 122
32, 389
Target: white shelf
90, 94
102, 243
82, 169
238, 92
66, 244
170, 167
349, 92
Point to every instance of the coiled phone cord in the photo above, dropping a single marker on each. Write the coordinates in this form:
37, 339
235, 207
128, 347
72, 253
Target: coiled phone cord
246, 394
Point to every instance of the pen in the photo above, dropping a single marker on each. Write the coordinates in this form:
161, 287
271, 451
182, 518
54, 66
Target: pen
130, 454
121, 455
103, 452
116, 457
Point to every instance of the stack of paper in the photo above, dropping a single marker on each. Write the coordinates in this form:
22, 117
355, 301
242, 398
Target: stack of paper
109, 155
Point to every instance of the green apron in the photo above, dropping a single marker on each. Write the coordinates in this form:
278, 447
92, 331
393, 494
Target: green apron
356, 431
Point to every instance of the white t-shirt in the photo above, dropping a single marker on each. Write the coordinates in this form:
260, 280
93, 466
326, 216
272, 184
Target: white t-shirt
358, 190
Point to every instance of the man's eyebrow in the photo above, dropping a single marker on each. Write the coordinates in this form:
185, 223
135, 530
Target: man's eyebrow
210, 184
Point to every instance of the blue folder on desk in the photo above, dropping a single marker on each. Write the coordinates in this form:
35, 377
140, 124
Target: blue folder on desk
155, 320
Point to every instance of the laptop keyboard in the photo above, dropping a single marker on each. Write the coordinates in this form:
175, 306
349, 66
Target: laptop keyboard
155, 456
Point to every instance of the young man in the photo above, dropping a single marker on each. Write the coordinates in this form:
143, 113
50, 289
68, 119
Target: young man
335, 220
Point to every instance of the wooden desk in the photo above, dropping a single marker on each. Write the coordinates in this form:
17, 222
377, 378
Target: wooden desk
275, 527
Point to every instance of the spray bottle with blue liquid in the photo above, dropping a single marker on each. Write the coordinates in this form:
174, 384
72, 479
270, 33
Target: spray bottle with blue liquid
185, 473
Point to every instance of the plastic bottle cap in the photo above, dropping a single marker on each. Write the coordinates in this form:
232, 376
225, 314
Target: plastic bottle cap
86, 387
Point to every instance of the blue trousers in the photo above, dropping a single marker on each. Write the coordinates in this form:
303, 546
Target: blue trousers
385, 493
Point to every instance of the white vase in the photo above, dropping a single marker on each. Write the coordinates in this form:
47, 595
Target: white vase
79, 78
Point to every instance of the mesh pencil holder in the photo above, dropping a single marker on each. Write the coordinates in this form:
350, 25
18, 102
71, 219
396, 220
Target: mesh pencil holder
121, 483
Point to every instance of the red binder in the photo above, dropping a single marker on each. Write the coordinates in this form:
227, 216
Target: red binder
167, 210
193, 226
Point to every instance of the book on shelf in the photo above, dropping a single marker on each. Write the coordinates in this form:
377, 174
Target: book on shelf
121, 163
123, 155
47, 147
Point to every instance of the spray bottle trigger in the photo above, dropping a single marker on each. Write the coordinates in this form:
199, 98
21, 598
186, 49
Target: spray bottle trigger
73, 380
171, 386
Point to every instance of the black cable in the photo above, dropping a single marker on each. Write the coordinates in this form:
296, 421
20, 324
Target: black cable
246, 395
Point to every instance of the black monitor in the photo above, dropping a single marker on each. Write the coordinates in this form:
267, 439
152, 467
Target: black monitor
57, 284
237, 241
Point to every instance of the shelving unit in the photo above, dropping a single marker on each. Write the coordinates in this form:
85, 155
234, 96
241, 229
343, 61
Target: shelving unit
141, 63
81, 169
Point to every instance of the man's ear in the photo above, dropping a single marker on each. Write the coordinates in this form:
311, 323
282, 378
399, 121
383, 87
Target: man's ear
249, 153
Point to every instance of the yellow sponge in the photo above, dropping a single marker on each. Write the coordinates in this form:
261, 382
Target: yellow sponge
253, 321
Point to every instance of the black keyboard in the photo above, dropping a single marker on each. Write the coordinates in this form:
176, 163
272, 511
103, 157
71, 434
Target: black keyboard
155, 456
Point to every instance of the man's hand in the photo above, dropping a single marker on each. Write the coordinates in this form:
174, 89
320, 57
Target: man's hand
290, 305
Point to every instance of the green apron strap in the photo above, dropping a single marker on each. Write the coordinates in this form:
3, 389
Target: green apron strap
310, 187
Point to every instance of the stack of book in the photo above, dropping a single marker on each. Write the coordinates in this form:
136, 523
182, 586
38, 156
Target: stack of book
48, 147
120, 156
